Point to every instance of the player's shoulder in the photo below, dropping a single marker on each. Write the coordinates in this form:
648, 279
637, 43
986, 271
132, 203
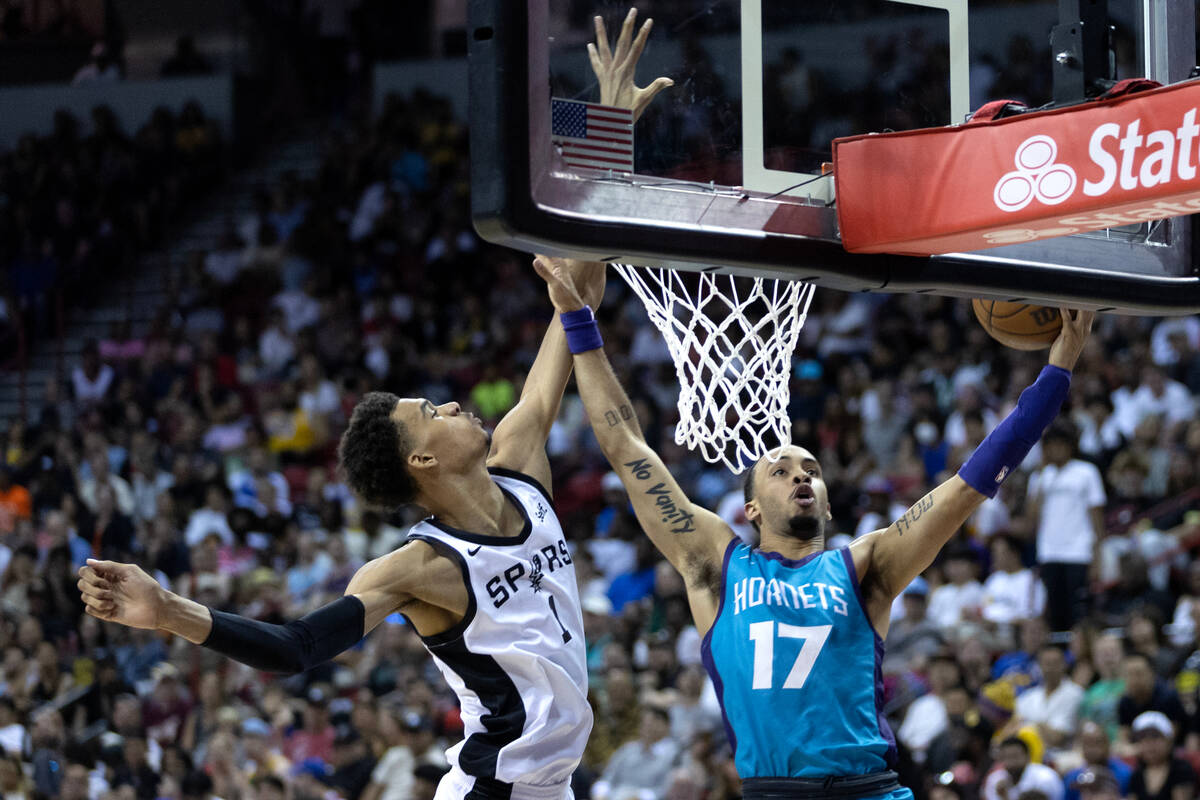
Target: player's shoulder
864, 546
415, 562
862, 553
515, 479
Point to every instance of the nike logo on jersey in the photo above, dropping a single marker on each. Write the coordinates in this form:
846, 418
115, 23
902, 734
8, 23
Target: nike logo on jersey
473, 550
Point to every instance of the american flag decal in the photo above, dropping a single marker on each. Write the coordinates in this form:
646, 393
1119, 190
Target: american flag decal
592, 135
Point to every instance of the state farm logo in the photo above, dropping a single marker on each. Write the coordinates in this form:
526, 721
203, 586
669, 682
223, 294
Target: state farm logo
1036, 177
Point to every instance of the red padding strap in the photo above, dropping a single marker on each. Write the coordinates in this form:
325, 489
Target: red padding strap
990, 111
1129, 86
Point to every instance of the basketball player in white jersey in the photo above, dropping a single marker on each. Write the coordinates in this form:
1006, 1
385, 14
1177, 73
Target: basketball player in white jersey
486, 580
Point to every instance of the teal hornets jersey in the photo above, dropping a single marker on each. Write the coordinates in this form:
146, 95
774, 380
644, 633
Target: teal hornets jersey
795, 663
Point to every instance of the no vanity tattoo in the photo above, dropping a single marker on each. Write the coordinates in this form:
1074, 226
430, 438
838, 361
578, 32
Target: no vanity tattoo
679, 519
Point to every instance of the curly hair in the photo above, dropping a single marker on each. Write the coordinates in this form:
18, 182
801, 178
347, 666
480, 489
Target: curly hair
373, 452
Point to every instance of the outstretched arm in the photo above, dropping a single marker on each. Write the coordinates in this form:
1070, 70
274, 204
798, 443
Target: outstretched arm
893, 557
519, 441
692, 538
125, 594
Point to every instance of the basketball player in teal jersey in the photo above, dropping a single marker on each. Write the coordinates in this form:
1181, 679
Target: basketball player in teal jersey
793, 634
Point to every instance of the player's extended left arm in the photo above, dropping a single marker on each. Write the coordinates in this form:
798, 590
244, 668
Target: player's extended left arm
910, 544
519, 441
683, 532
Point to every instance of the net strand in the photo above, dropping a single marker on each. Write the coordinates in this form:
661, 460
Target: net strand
732, 341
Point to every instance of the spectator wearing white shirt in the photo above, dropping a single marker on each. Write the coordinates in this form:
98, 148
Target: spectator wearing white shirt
926, 718
91, 379
1157, 394
318, 394
1018, 774
1183, 626
1099, 431
211, 518
1161, 348
641, 769
968, 401
101, 476
881, 510
961, 597
1052, 706
1012, 592
244, 484
102, 67
275, 346
299, 306
1067, 498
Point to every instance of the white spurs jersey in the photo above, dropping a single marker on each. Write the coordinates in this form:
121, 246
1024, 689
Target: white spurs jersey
517, 661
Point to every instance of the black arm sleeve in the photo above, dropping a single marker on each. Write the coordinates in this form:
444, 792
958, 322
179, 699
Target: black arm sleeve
295, 647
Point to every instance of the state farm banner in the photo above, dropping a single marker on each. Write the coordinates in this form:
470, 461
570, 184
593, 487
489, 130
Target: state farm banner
1033, 176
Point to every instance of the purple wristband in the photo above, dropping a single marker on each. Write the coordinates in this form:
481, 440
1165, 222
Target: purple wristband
1005, 447
583, 334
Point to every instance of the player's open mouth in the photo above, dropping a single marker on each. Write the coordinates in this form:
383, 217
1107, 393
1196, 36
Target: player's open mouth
803, 495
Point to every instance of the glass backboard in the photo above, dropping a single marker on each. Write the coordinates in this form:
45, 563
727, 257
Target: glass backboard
731, 165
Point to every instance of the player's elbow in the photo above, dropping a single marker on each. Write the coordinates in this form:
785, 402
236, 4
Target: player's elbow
621, 448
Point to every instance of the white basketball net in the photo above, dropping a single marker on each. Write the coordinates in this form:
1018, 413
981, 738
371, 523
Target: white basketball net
732, 341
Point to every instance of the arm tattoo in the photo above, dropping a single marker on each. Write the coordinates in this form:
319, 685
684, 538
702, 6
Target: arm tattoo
914, 514
639, 468
680, 519
615, 417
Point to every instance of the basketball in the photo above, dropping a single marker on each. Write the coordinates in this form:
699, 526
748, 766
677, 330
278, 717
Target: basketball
1018, 325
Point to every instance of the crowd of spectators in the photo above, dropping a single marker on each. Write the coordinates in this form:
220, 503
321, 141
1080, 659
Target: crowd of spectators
79, 203
203, 450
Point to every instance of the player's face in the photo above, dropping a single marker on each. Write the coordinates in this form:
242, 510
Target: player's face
790, 497
455, 438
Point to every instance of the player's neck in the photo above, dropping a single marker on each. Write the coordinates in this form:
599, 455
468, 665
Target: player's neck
472, 502
790, 546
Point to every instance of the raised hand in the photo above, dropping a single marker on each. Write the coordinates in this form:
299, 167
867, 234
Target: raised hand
560, 282
589, 278
615, 70
121, 593
1077, 325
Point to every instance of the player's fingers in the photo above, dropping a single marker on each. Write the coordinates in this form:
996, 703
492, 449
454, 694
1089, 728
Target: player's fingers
639, 44
93, 589
544, 269
594, 57
602, 41
99, 608
626, 39
106, 569
659, 84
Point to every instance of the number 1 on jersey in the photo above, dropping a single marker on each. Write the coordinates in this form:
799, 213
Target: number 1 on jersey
763, 635
554, 610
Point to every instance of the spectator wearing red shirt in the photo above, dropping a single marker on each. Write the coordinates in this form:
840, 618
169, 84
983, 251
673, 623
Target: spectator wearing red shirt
314, 739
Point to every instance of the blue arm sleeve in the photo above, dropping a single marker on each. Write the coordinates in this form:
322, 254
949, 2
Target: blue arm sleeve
295, 647
1006, 447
